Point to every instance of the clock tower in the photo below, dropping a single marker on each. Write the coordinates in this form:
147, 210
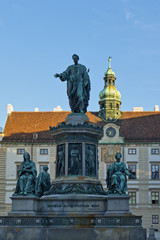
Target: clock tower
109, 97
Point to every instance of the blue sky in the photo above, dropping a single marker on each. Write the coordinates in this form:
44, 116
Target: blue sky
38, 38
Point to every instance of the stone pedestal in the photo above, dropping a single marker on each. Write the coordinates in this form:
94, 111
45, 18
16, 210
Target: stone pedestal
76, 118
71, 204
68, 204
117, 204
24, 206
76, 159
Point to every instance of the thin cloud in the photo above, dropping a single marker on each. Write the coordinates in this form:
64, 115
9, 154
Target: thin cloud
135, 21
129, 15
145, 26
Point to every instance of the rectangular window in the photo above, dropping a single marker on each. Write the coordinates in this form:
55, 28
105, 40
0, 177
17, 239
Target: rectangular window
131, 151
154, 171
155, 151
132, 169
41, 167
17, 168
155, 197
155, 219
44, 151
132, 200
20, 151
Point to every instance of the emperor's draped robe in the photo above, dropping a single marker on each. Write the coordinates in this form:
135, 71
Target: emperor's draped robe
78, 87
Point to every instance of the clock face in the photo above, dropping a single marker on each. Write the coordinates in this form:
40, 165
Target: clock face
110, 132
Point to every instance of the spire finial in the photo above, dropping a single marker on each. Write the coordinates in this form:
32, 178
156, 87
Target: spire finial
109, 61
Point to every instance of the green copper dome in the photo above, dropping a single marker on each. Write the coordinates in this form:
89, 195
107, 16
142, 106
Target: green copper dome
109, 96
109, 92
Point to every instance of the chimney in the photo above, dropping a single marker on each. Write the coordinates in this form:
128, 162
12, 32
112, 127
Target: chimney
36, 109
137, 109
9, 108
57, 109
156, 108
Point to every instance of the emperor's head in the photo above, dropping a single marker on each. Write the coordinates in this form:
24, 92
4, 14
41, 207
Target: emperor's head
75, 58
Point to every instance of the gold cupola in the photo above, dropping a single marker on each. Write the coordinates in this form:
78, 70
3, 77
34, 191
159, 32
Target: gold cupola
109, 97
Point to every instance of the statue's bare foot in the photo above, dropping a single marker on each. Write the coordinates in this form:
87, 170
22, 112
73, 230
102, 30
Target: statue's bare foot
25, 193
21, 193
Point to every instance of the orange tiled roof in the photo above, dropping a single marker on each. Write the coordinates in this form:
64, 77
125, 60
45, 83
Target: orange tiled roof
130, 114
20, 126
135, 126
140, 126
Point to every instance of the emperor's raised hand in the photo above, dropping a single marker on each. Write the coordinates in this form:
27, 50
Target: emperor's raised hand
56, 75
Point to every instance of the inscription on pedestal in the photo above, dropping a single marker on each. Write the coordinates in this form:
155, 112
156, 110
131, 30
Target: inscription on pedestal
76, 207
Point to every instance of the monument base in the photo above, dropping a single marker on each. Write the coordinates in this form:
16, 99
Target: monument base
71, 216
74, 204
67, 204
79, 228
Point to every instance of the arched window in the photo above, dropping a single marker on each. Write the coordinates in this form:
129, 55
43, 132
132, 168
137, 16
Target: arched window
102, 106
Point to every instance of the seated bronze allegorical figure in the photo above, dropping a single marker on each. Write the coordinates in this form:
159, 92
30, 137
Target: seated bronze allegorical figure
43, 183
117, 176
26, 177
